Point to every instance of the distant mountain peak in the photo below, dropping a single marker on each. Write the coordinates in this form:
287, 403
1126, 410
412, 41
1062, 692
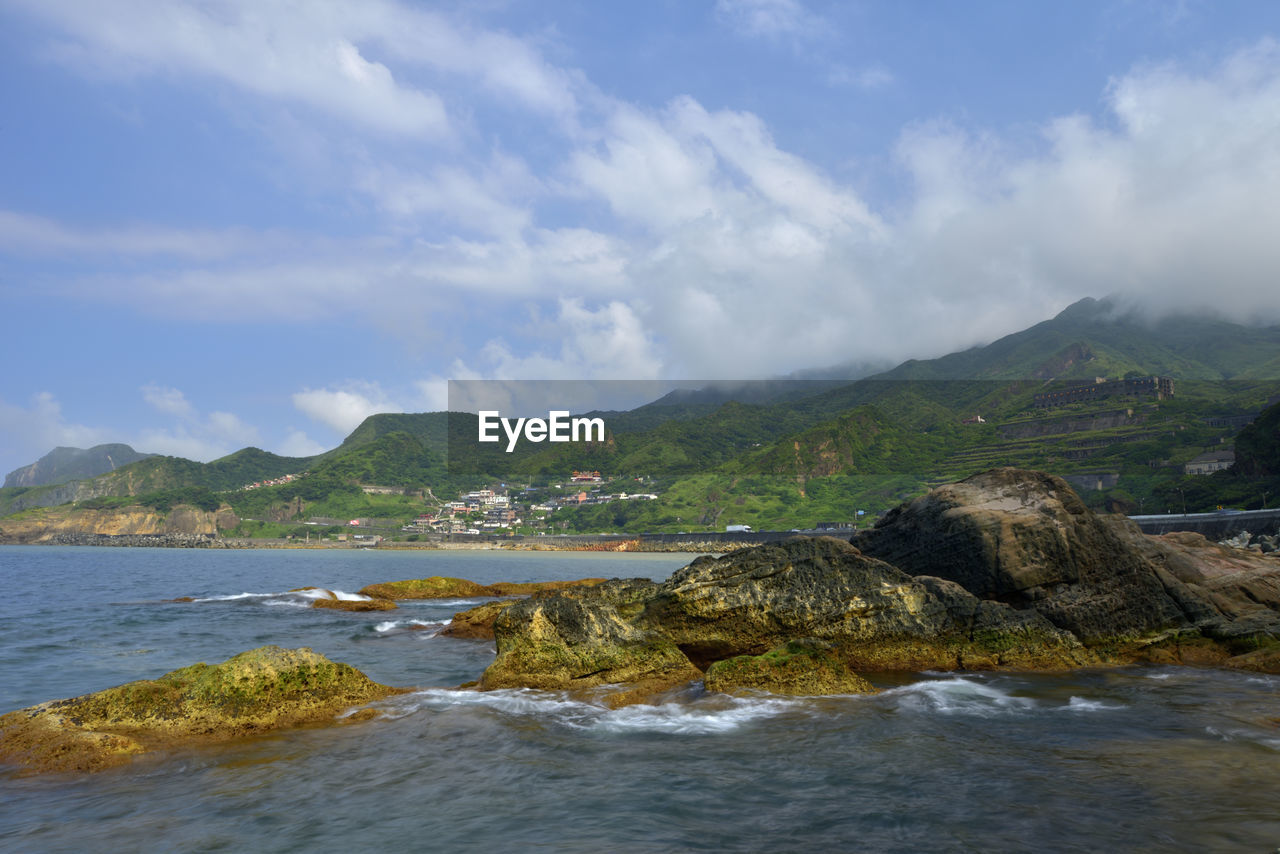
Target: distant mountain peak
64, 464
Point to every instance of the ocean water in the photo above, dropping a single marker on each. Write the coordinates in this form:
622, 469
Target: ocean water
1132, 759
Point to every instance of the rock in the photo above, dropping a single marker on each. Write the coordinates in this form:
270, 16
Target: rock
256, 691
330, 600
582, 639
1243, 587
435, 587
755, 600
527, 588
477, 622
800, 668
355, 604
1007, 569
1024, 538
442, 587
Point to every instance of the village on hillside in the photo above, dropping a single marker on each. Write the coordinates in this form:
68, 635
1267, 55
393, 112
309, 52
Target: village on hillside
504, 508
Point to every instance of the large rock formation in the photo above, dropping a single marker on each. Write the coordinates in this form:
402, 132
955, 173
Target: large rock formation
1005, 569
872, 615
256, 691
1026, 539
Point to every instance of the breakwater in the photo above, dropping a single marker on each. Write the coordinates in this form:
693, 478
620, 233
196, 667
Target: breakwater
168, 541
1213, 526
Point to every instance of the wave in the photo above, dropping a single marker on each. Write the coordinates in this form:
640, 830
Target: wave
428, 627
968, 696
301, 598
1080, 704
1266, 738
704, 714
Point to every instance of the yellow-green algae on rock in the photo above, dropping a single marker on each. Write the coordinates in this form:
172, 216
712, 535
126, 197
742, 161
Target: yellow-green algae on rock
256, 691
805, 667
444, 587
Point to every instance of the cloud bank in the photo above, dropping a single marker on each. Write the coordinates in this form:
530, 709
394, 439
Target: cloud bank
534, 226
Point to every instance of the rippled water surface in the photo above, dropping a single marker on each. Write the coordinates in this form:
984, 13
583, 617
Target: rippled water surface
1136, 759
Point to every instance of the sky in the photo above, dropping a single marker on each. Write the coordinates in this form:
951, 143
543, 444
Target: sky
231, 223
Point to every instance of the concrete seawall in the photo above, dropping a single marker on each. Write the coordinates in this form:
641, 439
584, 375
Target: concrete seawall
1213, 526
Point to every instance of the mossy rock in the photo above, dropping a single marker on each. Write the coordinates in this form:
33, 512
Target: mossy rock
528, 588
256, 691
477, 622
800, 668
444, 587
355, 604
435, 587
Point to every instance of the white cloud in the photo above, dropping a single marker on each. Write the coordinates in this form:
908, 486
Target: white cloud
769, 18
26, 234
869, 78
494, 201
29, 432
168, 400
192, 435
686, 240
263, 47
1170, 204
332, 56
607, 342
299, 444
343, 409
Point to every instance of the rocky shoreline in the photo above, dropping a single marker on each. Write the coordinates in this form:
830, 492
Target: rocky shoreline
1006, 570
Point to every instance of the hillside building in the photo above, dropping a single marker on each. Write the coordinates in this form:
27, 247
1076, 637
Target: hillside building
1211, 461
1160, 388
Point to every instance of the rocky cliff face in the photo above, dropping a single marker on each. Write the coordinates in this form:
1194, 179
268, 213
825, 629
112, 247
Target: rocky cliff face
1005, 569
58, 523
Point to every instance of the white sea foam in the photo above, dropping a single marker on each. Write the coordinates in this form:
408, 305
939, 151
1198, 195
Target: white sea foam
1080, 704
709, 716
394, 625
290, 598
959, 695
233, 597
704, 715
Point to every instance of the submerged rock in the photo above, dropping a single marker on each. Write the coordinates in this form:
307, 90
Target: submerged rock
435, 587
324, 598
355, 604
444, 587
256, 691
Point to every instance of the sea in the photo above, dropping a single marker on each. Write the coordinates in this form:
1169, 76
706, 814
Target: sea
1126, 759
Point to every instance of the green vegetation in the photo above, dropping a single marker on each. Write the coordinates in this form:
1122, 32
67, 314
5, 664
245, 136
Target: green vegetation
793, 454
163, 500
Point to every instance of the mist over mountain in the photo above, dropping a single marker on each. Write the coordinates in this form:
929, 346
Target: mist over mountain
64, 464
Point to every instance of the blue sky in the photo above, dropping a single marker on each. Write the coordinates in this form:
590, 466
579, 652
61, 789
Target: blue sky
229, 223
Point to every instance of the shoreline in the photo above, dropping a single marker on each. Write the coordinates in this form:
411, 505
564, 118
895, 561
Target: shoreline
639, 543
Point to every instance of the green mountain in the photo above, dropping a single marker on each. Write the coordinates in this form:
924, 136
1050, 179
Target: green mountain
63, 464
795, 452
1098, 338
